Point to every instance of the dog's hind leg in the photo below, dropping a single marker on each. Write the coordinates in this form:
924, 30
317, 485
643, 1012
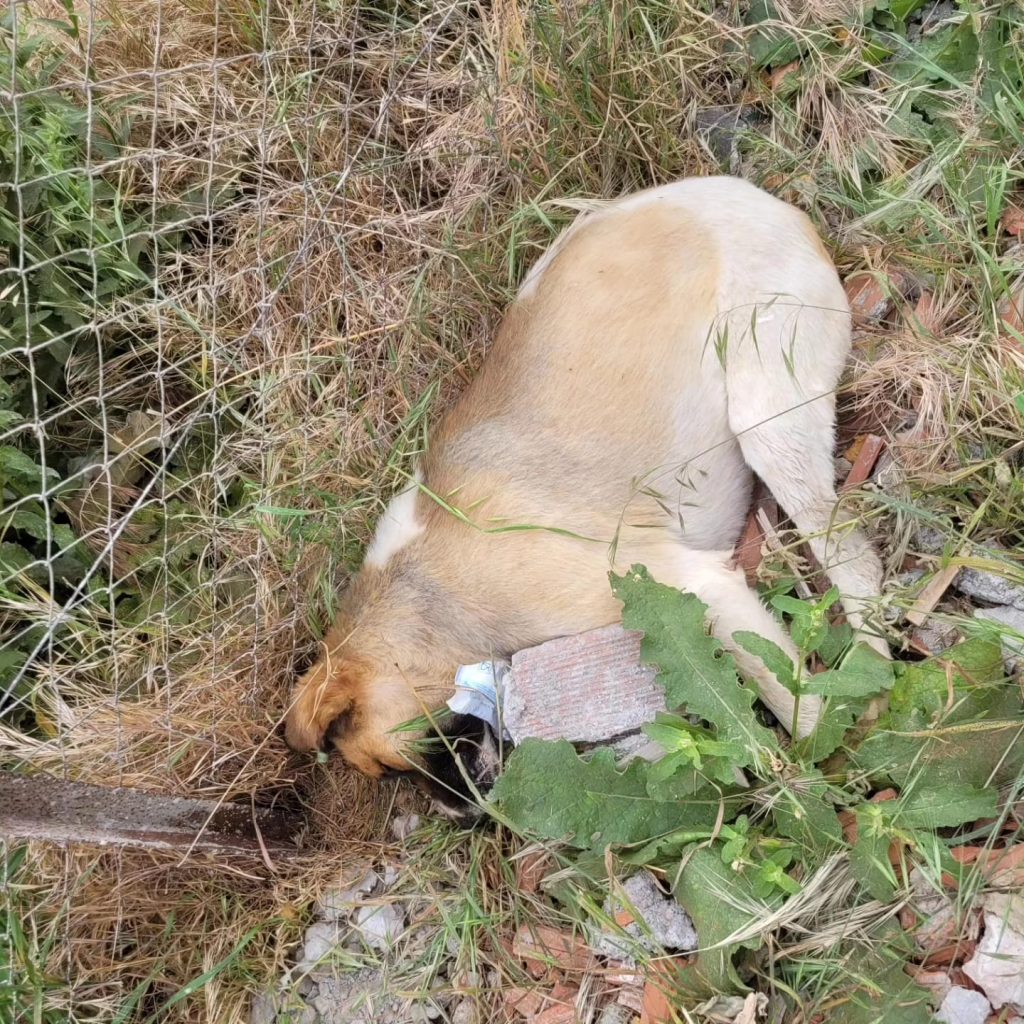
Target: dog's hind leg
782, 366
732, 608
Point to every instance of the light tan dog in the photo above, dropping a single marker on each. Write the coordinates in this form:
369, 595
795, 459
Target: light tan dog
668, 346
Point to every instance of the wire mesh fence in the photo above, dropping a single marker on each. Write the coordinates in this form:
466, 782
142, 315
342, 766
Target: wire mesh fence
222, 231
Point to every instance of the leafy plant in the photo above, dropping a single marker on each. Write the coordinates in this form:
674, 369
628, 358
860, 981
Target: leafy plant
740, 817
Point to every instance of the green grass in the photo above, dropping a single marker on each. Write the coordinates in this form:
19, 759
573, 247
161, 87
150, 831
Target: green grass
287, 257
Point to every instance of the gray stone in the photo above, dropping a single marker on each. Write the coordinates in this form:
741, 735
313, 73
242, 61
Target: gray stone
466, 1012
1013, 649
320, 939
936, 636
380, 926
613, 1013
297, 1015
391, 875
963, 1006
661, 923
988, 587
263, 1009
337, 903
997, 966
928, 540
721, 129
354, 998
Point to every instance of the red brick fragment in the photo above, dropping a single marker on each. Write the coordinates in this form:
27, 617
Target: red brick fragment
869, 297
542, 947
658, 1001
867, 456
522, 1001
531, 869
556, 1015
1012, 219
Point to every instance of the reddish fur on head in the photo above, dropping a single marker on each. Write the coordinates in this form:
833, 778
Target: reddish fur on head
327, 691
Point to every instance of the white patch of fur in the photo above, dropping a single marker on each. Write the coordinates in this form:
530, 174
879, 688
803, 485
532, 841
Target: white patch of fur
397, 527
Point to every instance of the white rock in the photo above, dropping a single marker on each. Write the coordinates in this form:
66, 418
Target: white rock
661, 923
319, 940
263, 1009
1013, 649
963, 1006
997, 966
338, 903
465, 1012
391, 875
380, 926
404, 825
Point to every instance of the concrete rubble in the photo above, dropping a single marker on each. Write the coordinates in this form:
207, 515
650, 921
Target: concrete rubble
963, 1006
650, 919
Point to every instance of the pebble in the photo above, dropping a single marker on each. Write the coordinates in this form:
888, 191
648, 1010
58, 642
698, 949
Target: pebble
319, 940
466, 1012
990, 588
337, 903
1013, 650
391, 875
380, 926
404, 825
263, 1009
613, 1013
963, 1006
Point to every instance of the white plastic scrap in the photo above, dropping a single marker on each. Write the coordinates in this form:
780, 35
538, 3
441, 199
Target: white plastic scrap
479, 691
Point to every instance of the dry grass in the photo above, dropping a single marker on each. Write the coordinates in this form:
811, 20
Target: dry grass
354, 191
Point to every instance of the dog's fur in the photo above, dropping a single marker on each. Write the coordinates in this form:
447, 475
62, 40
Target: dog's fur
667, 347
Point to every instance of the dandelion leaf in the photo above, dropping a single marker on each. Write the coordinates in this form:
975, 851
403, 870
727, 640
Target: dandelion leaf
692, 666
720, 902
549, 790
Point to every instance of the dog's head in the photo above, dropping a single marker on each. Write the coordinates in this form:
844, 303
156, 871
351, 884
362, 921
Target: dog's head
356, 708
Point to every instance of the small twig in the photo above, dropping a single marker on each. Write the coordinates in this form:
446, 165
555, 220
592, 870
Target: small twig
772, 542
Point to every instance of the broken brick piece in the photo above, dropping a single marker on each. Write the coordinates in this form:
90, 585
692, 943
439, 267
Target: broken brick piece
1012, 219
523, 1001
531, 869
542, 947
585, 688
656, 1007
556, 1015
869, 298
867, 456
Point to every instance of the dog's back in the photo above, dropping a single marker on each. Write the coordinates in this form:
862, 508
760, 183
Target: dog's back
666, 346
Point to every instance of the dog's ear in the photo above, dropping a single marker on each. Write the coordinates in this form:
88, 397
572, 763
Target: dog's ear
325, 693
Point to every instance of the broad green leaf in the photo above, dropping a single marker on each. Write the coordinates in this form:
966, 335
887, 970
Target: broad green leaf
549, 790
953, 720
946, 806
802, 812
863, 673
772, 656
876, 989
839, 715
719, 901
694, 669
869, 857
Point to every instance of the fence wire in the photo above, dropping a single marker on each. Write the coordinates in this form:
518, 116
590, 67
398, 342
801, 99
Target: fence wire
221, 228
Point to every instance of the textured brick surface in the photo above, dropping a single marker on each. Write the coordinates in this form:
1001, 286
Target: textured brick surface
586, 688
